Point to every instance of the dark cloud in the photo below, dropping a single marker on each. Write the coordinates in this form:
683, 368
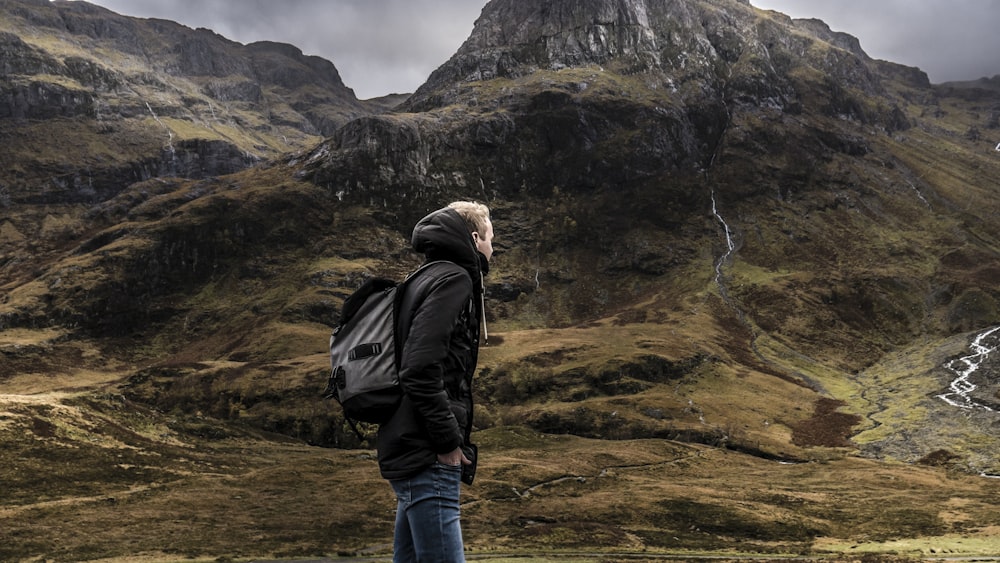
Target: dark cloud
385, 46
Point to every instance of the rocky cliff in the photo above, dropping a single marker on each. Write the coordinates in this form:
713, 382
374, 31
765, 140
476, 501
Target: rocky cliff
715, 224
145, 98
678, 72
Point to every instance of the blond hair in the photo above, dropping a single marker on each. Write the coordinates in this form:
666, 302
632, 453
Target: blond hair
476, 215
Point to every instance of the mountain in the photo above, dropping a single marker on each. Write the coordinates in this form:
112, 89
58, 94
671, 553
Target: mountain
736, 261
147, 98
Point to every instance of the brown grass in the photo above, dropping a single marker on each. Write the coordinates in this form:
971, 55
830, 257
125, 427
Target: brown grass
98, 476
826, 427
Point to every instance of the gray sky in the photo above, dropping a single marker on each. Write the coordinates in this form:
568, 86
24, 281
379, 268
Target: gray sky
392, 46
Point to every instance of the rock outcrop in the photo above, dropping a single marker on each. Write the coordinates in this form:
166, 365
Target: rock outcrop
158, 95
569, 77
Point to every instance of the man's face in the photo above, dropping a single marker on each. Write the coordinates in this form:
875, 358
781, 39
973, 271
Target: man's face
484, 242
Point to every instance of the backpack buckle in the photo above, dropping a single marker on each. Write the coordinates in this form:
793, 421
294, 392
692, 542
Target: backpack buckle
362, 351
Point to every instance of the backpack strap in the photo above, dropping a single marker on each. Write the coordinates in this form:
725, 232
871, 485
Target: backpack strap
353, 303
406, 316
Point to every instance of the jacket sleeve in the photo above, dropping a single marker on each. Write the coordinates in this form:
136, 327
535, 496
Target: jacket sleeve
424, 353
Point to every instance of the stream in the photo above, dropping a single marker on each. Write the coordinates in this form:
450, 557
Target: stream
730, 246
961, 388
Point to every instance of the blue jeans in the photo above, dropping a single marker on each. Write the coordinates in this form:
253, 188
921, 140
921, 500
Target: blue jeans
427, 512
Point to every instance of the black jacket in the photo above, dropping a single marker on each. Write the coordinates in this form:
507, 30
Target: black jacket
439, 327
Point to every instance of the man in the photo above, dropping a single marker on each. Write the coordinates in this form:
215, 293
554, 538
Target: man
424, 449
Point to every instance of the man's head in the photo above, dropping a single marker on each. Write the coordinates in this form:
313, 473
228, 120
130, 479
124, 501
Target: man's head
477, 217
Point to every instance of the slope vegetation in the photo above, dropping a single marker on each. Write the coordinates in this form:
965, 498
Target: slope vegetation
735, 258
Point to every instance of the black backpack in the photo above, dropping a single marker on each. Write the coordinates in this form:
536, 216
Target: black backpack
365, 351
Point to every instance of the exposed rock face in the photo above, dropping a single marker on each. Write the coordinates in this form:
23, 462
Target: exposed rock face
719, 50
44, 100
259, 100
568, 76
513, 39
671, 41
164, 47
19, 58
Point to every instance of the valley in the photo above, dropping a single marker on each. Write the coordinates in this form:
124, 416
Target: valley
743, 304
245, 493
99, 473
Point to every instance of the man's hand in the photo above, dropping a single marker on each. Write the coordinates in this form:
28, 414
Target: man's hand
454, 457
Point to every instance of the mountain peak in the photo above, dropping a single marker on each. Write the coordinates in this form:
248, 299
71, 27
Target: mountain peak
676, 41
819, 29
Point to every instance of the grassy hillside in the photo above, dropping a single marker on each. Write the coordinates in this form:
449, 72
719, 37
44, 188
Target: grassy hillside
98, 476
720, 310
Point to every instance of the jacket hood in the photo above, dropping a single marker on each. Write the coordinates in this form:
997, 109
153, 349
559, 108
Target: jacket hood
443, 235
